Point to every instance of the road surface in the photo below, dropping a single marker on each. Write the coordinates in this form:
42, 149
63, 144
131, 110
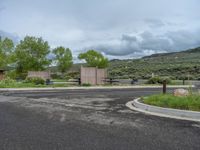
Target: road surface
88, 120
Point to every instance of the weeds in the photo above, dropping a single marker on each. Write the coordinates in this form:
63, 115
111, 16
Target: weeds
191, 102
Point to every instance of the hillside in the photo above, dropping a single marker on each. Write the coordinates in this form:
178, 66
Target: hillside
176, 65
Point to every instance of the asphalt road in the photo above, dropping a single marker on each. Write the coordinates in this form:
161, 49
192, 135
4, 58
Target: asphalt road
88, 120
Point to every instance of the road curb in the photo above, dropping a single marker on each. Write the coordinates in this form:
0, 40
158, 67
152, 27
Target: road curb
88, 88
163, 112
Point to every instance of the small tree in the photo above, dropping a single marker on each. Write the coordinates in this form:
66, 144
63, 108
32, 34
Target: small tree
63, 58
6, 52
31, 54
94, 59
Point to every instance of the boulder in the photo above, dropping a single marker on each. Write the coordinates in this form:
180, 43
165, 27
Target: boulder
181, 92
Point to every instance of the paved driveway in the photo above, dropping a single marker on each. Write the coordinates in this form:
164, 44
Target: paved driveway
88, 120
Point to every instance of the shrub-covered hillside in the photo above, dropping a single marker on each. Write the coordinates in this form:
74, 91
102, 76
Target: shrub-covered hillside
177, 65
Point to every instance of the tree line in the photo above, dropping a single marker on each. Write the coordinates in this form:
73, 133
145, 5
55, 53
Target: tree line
33, 54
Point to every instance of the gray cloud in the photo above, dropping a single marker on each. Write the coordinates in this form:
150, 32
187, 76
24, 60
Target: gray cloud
129, 45
184, 39
155, 23
124, 28
155, 42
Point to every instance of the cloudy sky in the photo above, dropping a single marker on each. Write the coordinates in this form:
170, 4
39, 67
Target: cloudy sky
118, 28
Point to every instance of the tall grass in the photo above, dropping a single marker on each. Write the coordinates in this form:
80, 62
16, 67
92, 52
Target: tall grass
191, 102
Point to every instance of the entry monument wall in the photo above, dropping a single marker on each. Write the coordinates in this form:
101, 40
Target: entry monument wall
93, 75
41, 74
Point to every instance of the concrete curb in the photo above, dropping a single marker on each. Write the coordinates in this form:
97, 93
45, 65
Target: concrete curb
163, 112
87, 88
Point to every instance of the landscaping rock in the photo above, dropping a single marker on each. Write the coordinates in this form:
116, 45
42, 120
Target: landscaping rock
181, 92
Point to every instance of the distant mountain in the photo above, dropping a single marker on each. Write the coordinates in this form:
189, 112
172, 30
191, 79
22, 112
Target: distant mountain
195, 50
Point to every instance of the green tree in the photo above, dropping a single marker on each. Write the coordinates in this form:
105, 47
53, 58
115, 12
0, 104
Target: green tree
31, 54
63, 58
94, 59
6, 52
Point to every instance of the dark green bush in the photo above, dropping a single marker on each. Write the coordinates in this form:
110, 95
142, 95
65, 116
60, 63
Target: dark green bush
153, 80
73, 75
35, 80
167, 79
158, 80
56, 76
86, 84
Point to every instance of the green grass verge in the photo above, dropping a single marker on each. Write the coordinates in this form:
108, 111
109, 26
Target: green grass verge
191, 102
59, 80
31, 85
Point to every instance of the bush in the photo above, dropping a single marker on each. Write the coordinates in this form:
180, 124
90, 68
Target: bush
11, 74
86, 84
73, 75
158, 80
67, 77
35, 80
168, 80
153, 80
7, 82
56, 76
15, 75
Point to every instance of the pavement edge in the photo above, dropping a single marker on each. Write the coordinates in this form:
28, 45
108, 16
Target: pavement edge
163, 112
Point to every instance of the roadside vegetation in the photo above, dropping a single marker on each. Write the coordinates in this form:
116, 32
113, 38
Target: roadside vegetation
35, 54
28, 83
182, 65
191, 102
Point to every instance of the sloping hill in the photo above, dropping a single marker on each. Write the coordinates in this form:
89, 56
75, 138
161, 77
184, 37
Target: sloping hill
176, 65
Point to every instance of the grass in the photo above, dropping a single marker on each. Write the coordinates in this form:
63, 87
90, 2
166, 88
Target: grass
31, 85
191, 102
59, 80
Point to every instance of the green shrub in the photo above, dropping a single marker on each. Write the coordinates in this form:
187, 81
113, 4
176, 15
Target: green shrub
67, 77
11, 74
167, 79
153, 80
56, 76
73, 75
159, 80
35, 80
7, 82
86, 84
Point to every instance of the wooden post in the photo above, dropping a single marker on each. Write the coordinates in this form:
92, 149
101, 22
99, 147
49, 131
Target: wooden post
111, 80
79, 81
96, 69
164, 87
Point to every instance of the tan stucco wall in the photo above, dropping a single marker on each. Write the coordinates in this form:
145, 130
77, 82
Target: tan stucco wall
93, 75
